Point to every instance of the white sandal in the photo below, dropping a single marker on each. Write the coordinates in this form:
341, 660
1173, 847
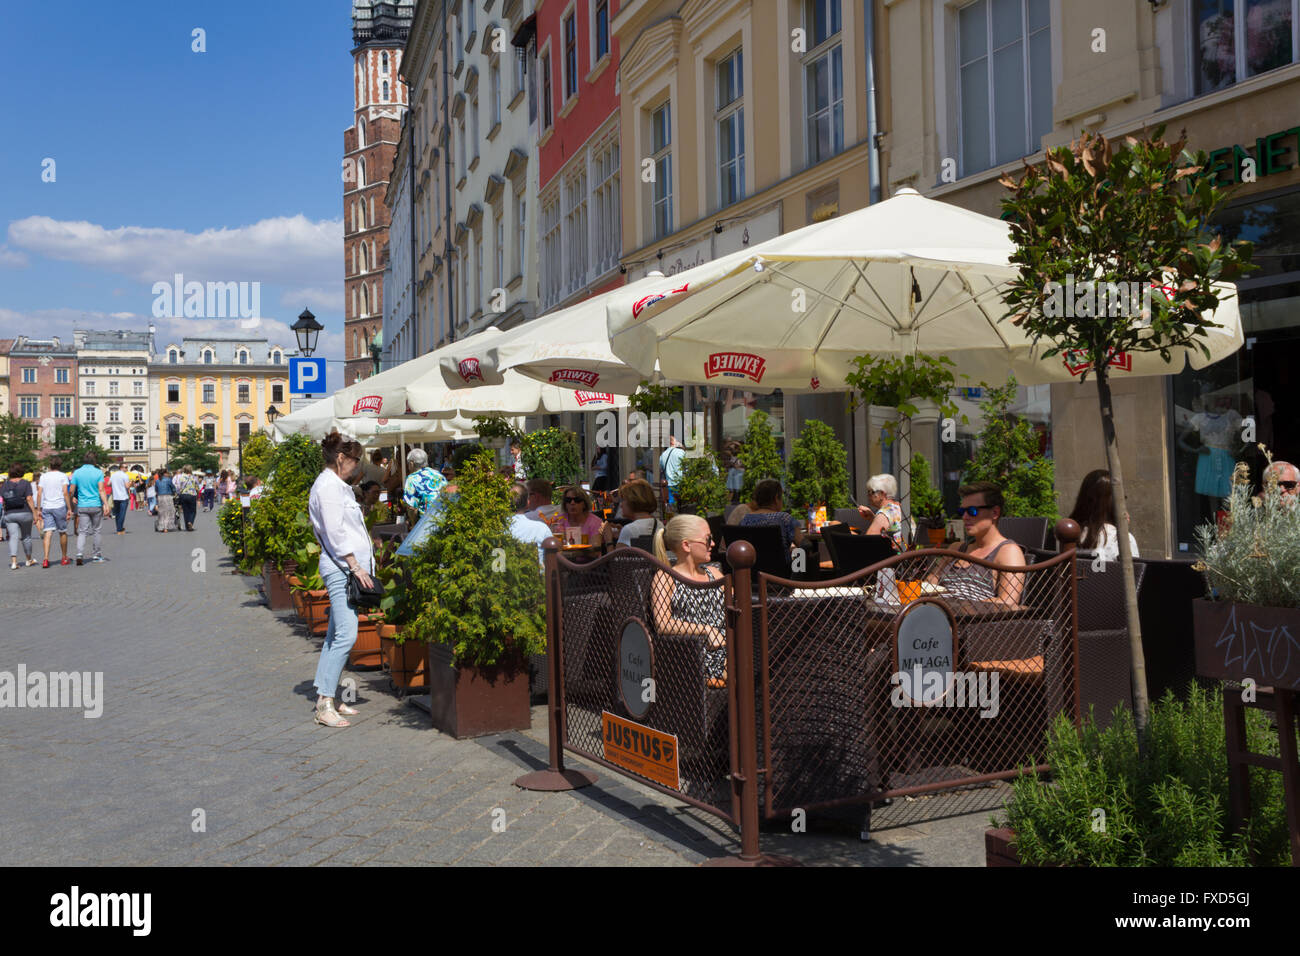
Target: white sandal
329, 717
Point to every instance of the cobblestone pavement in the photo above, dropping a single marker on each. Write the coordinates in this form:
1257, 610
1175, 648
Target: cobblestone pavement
207, 706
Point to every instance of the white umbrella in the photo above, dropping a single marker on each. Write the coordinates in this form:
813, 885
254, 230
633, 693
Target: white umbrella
908, 275
318, 419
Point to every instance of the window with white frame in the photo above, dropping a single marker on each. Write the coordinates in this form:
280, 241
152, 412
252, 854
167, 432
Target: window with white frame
570, 28
113, 387
137, 388
606, 215
114, 442
29, 406
478, 272
29, 375
1004, 96
242, 393
209, 393
575, 227
90, 385
661, 142
517, 70
137, 443
90, 414
114, 413
552, 269
209, 357
173, 392
62, 406
823, 77
209, 432
494, 78
600, 30
173, 357
137, 413
730, 120
61, 376
521, 233
1236, 39
546, 90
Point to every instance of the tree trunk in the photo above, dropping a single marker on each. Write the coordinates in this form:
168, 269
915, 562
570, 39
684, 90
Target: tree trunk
1137, 658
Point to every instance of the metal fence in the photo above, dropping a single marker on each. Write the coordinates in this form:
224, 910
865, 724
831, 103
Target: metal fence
753, 695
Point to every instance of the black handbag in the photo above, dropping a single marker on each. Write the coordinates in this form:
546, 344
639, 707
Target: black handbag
360, 596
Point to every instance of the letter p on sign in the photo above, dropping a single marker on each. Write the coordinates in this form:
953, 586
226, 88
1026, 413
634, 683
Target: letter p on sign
306, 375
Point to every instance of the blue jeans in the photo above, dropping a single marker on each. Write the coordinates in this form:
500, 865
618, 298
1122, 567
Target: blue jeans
339, 636
119, 512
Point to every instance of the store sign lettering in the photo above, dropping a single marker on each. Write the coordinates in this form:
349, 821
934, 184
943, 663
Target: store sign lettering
736, 365
1272, 154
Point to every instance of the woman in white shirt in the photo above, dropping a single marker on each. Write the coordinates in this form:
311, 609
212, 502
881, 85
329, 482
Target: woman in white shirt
345, 547
1094, 511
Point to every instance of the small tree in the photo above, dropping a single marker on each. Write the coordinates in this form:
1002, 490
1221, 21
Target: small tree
192, 449
553, 454
1008, 455
758, 455
278, 523
927, 500
73, 442
16, 448
817, 471
703, 486
1096, 215
258, 449
489, 603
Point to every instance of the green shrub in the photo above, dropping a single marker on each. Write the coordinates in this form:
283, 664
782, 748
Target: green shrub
1007, 454
231, 528
817, 471
758, 455
926, 501
552, 454
703, 485
473, 586
258, 452
278, 522
1167, 809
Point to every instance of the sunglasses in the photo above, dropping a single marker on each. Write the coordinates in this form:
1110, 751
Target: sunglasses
574, 501
707, 542
973, 512
1288, 485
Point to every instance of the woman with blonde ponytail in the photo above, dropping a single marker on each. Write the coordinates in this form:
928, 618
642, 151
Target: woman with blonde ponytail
686, 610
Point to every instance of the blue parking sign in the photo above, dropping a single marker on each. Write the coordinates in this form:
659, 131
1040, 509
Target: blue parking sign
306, 375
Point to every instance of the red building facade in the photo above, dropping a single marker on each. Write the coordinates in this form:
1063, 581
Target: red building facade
43, 384
578, 150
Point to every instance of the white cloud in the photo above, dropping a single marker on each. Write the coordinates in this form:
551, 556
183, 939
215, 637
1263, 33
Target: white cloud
322, 299
290, 251
12, 258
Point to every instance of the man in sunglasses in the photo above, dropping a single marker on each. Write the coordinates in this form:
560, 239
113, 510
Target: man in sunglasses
1288, 478
981, 507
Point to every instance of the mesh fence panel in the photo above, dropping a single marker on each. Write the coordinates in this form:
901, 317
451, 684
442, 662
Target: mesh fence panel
691, 696
838, 726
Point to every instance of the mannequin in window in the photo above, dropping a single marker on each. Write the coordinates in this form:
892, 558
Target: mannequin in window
1218, 426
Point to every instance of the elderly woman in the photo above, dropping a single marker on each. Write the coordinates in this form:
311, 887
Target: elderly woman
345, 549
576, 514
685, 610
423, 483
637, 504
981, 507
885, 513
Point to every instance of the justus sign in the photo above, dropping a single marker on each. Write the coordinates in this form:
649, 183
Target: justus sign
1274, 153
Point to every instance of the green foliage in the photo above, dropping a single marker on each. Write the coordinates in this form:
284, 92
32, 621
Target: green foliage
1007, 453
817, 469
73, 442
15, 447
474, 586
308, 560
926, 500
1136, 212
1166, 808
1255, 557
279, 526
552, 454
893, 383
758, 455
703, 485
194, 450
231, 528
403, 595
463, 453
489, 427
651, 399
258, 451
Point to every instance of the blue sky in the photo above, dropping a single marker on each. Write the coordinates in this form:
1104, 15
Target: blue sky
221, 165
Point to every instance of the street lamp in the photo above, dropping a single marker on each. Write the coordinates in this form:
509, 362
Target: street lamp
306, 330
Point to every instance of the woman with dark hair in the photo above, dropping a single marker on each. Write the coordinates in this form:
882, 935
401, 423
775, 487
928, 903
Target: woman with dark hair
601, 465
1094, 511
20, 514
346, 549
770, 509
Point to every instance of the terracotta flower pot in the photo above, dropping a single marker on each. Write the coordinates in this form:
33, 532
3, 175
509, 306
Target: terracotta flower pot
406, 661
315, 611
365, 652
276, 589
473, 701
936, 536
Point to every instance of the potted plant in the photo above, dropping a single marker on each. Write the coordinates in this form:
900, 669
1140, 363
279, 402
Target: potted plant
927, 503
1251, 562
404, 655
489, 615
817, 472
909, 385
278, 526
703, 489
1109, 806
758, 455
310, 597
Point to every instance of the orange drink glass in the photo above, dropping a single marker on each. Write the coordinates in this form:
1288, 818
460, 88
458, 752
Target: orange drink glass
908, 591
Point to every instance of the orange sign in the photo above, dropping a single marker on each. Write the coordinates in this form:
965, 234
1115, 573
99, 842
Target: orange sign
646, 752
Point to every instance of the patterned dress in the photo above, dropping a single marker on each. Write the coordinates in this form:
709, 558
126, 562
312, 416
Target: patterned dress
893, 513
703, 606
421, 489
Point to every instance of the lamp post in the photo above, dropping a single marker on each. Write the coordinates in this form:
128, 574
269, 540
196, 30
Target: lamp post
306, 330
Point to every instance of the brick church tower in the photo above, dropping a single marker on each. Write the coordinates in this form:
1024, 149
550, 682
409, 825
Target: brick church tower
379, 31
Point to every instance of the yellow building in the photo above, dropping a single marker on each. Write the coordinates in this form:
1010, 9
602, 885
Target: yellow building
222, 384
